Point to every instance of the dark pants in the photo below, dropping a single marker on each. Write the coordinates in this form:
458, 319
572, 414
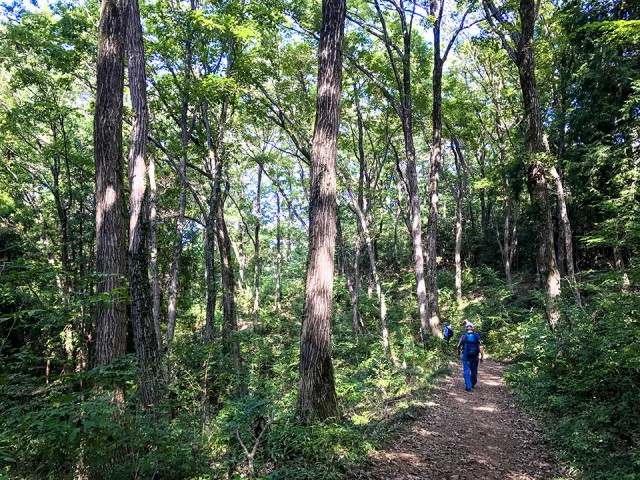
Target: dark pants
470, 365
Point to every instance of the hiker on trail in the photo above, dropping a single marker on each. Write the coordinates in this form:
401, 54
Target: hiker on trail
472, 351
447, 332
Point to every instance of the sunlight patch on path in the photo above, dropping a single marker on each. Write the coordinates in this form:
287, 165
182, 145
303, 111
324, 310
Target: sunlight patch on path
476, 435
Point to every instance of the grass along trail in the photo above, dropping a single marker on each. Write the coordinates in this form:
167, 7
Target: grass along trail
482, 434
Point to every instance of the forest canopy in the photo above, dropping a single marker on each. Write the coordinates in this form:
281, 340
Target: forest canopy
232, 231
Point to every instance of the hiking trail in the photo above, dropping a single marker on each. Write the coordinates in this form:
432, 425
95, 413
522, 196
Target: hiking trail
481, 434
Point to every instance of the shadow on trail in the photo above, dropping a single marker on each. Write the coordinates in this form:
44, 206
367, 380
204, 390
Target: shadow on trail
482, 434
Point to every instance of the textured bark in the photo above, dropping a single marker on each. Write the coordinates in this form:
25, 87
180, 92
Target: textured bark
278, 294
213, 162
317, 399
459, 193
536, 147
153, 247
436, 156
439, 58
522, 54
350, 276
256, 265
405, 112
230, 343
111, 319
566, 235
508, 244
210, 244
174, 284
150, 388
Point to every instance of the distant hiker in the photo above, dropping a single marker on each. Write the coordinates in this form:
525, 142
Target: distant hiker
447, 332
472, 351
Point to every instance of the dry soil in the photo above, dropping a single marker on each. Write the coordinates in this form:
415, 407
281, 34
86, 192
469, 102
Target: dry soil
481, 434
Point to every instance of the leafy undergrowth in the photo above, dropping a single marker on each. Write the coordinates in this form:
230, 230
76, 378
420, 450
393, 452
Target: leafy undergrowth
583, 379
63, 429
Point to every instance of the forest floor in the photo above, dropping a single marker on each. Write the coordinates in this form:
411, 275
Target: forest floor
481, 434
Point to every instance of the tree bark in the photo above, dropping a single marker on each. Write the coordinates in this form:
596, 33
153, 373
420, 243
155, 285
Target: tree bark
436, 156
317, 399
350, 278
567, 235
185, 134
231, 345
537, 149
535, 145
150, 389
406, 118
278, 294
459, 194
507, 245
256, 266
111, 319
153, 254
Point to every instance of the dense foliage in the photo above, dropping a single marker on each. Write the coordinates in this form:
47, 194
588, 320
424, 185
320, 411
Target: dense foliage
232, 91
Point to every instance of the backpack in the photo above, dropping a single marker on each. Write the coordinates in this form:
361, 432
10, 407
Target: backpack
448, 332
471, 344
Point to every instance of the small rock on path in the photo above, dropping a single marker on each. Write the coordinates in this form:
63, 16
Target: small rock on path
482, 434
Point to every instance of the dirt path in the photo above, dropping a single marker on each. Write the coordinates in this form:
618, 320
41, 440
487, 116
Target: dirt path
482, 434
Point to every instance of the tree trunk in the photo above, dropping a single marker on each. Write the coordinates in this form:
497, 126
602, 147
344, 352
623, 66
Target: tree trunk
174, 284
153, 221
231, 344
537, 149
506, 249
278, 294
567, 235
317, 399
458, 253
111, 319
150, 389
437, 8
215, 152
350, 278
210, 243
256, 239
412, 179
458, 194
436, 154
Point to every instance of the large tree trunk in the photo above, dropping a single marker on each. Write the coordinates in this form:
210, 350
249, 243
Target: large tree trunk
535, 144
459, 194
256, 266
537, 149
111, 318
566, 237
174, 284
150, 389
278, 295
404, 110
412, 176
153, 254
361, 208
231, 344
317, 399
436, 155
